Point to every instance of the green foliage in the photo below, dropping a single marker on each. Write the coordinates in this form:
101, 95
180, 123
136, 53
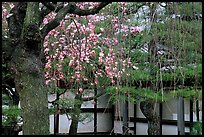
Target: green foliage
6, 100
185, 8
103, 24
138, 56
103, 81
115, 7
188, 74
134, 95
6, 74
197, 128
69, 106
136, 75
188, 93
11, 116
68, 103
55, 89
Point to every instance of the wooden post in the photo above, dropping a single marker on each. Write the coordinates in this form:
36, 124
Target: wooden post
95, 112
135, 116
56, 117
113, 119
191, 114
160, 114
180, 116
197, 110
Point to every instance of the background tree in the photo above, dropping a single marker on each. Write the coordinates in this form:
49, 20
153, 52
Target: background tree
166, 56
174, 39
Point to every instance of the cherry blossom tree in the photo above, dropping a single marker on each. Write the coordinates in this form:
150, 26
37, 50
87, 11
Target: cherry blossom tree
82, 54
22, 50
74, 43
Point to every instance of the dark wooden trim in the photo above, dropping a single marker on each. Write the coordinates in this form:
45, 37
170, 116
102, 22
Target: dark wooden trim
191, 114
91, 110
164, 121
113, 118
160, 116
135, 115
95, 112
92, 133
197, 110
56, 117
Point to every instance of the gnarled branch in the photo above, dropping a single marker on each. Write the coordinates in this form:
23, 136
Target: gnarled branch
82, 12
53, 7
72, 9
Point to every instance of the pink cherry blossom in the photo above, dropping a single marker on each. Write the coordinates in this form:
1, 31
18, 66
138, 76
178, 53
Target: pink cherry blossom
74, 47
80, 90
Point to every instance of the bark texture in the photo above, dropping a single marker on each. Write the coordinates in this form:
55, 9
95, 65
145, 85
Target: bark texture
28, 68
147, 108
33, 96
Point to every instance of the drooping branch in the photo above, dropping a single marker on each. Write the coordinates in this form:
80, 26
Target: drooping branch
92, 97
72, 9
83, 98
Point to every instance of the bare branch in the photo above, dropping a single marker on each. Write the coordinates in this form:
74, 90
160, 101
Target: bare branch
72, 9
82, 12
59, 95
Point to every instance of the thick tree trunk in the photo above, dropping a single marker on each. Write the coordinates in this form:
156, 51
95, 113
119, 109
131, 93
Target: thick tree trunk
26, 44
33, 96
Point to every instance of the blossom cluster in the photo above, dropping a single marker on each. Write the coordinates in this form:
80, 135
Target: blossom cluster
76, 52
84, 49
6, 7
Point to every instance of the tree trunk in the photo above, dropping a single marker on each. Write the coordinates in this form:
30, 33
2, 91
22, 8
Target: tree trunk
147, 108
75, 116
74, 126
26, 42
33, 96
